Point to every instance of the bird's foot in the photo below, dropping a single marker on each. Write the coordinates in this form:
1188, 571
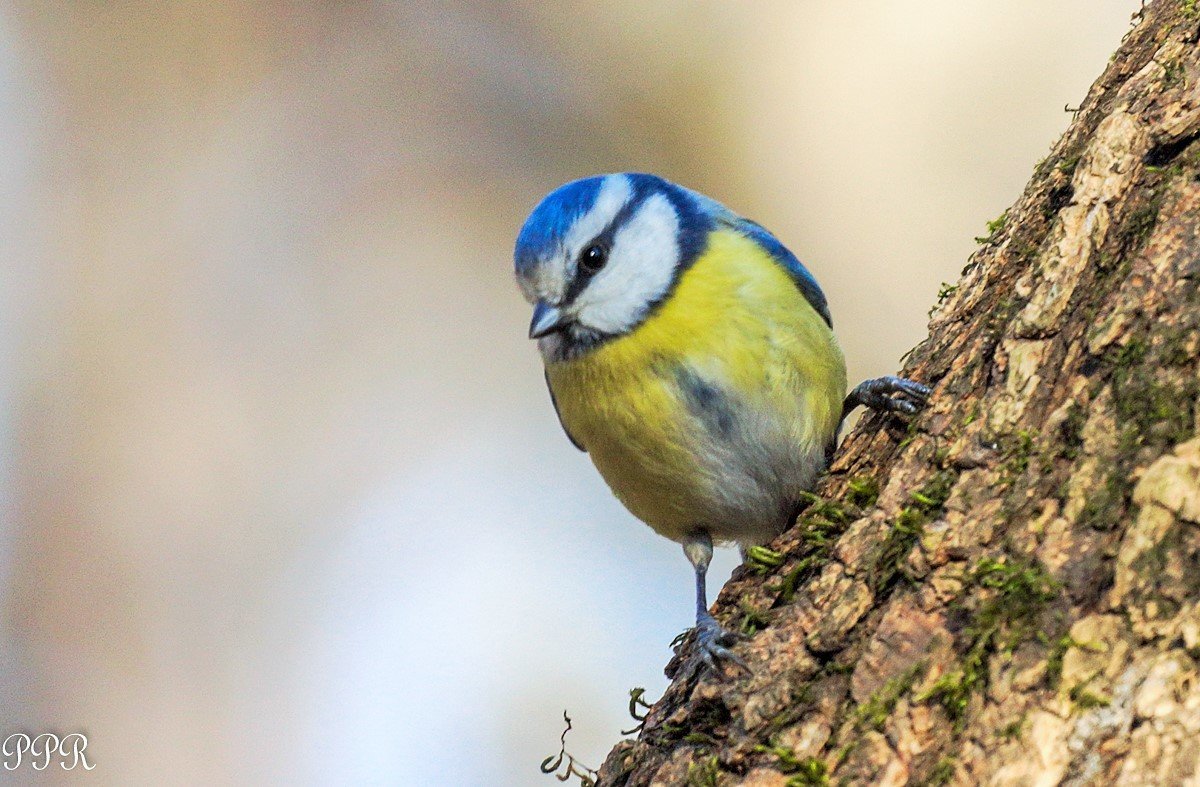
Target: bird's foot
890, 395
710, 648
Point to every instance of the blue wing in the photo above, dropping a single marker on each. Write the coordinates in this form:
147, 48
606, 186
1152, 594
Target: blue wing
554, 402
804, 280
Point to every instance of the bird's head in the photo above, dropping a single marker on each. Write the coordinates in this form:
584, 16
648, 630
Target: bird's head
597, 255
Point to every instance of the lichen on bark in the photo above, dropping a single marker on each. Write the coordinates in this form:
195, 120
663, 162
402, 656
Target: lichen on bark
1007, 591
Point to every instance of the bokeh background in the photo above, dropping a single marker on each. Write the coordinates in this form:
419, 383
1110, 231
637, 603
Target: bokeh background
283, 496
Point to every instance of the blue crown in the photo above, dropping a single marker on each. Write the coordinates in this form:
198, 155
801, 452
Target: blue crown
553, 218
558, 211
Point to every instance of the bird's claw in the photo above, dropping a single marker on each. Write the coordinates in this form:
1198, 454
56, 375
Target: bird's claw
890, 395
712, 647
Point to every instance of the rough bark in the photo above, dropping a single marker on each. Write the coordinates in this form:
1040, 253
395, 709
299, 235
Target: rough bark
1007, 591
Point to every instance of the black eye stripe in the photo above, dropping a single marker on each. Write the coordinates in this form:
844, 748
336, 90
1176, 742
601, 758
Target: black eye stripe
584, 274
604, 240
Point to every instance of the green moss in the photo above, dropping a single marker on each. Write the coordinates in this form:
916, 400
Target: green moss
821, 514
944, 294
786, 759
1022, 588
1148, 409
910, 434
1160, 412
954, 689
637, 701
1054, 663
1000, 316
889, 562
836, 668
1069, 163
862, 492
785, 590
1023, 249
1016, 451
811, 772
1142, 221
709, 713
753, 620
1019, 591
818, 526
942, 772
874, 711
1154, 408
822, 521
707, 717
706, 773
1086, 699
795, 710
1155, 562
994, 228
1131, 354
906, 530
762, 559
941, 454
1172, 170
1176, 347
806, 770
1012, 730
1189, 9
931, 497
1174, 74
566, 763
1105, 506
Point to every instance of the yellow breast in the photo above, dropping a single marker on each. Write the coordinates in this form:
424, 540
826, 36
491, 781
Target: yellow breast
715, 412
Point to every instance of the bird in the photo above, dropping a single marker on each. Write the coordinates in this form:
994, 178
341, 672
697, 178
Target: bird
692, 356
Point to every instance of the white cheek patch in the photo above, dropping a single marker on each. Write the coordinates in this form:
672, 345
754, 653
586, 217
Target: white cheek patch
641, 266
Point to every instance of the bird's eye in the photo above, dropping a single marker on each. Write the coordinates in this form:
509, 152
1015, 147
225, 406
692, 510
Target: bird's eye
593, 258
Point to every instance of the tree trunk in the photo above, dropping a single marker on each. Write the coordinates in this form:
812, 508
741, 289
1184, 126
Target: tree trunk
1007, 591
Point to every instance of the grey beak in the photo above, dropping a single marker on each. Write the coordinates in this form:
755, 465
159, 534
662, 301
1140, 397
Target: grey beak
546, 319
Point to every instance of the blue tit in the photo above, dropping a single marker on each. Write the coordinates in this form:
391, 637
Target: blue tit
692, 357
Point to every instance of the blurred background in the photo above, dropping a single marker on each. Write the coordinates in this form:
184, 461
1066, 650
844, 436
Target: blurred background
283, 496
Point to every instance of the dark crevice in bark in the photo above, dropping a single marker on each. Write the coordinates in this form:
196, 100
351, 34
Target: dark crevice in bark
1163, 154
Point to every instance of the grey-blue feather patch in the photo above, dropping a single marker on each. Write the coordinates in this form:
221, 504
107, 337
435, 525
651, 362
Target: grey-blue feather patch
707, 402
558, 412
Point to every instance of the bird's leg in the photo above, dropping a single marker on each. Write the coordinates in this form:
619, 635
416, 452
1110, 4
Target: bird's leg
888, 395
712, 641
